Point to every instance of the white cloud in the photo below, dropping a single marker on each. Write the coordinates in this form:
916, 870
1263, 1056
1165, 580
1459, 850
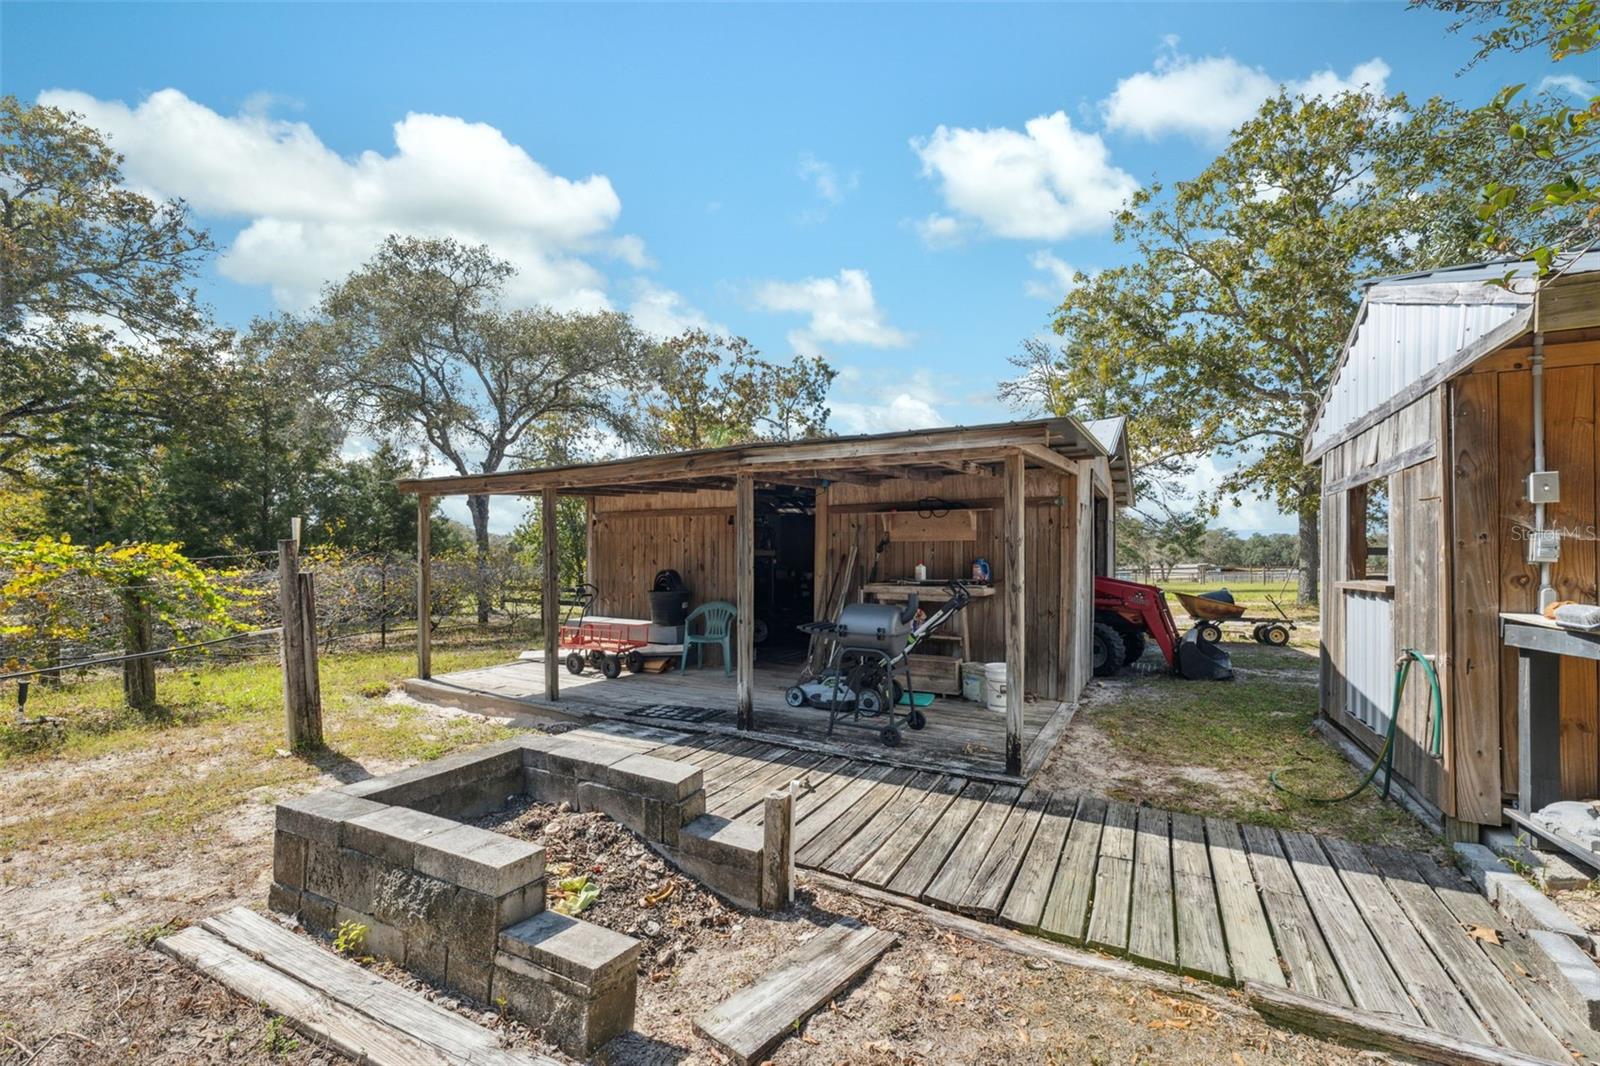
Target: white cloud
1057, 280
1570, 84
1048, 182
907, 404
940, 231
664, 313
825, 179
841, 310
1209, 97
314, 215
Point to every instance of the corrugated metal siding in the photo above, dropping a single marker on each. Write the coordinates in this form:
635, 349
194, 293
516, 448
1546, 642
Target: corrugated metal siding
1395, 345
1369, 657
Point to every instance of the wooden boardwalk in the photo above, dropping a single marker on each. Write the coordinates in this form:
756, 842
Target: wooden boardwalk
1376, 929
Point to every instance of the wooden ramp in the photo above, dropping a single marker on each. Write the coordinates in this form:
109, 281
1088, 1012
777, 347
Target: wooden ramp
1376, 931
332, 1000
755, 1019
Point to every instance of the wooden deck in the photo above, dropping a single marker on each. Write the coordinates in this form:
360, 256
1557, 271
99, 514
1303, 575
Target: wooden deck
1376, 929
961, 736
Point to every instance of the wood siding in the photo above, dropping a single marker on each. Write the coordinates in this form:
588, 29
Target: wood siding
636, 535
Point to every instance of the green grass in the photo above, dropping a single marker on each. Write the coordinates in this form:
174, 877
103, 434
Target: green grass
1208, 748
112, 779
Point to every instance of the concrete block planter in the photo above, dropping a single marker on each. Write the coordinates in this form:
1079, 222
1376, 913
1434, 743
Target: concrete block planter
465, 906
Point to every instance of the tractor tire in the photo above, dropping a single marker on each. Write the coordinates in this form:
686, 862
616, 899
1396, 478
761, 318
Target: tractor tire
1133, 640
1110, 651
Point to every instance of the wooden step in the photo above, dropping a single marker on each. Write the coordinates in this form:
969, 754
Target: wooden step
332, 999
755, 1019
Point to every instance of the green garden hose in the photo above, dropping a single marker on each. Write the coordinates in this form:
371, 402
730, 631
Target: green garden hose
1385, 759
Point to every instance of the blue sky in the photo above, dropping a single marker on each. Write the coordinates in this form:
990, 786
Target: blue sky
897, 186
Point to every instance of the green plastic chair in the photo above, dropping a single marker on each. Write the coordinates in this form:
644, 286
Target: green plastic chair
718, 616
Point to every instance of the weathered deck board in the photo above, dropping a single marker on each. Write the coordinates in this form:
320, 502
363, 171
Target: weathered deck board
855, 852
990, 886
1024, 905
731, 803
1201, 944
1372, 983
749, 1024
1519, 961
1066, 911
927, 859
1113, 879
1152, 931
1437, 998
1251, 952
845, 824
1312, 969
1497, 1003
958, 872
850, 783
886, 862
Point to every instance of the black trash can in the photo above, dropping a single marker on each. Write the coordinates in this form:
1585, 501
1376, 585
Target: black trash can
669, 599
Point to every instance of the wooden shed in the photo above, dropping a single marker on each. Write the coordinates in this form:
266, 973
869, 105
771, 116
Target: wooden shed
1427, 440
771, 527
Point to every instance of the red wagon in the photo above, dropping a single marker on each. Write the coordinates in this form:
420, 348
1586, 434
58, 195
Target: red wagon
607, 644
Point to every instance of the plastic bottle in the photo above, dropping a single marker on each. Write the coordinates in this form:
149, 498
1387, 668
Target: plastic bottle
921, 572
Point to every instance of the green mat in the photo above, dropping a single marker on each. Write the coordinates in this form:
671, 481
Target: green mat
922, 699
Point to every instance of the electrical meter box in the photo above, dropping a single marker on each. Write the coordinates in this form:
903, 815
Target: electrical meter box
1544, 486
1544, 546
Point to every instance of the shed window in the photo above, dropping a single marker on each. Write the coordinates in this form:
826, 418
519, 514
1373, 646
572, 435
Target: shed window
1368, 511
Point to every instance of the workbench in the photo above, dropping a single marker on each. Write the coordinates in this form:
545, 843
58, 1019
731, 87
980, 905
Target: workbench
1540, 645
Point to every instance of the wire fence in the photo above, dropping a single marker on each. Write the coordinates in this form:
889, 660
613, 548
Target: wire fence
80, 626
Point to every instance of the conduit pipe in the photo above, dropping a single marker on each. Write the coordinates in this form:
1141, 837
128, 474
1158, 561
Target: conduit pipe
1547, 592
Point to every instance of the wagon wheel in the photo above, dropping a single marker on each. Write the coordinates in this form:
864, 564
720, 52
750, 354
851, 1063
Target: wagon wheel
1210, 632
635, 662
597, 658
1258, 633
574, 662
611, 665
1277, 635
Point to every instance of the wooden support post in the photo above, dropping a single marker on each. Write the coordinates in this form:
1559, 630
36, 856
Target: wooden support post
550, 599
821, 572
1016, 607
744, 566
1067, 681
424, 588
302, 726
313, 675
590, 568
777, 852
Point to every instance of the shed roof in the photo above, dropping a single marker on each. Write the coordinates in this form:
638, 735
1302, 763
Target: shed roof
1413, 331
1112, 433
1048, 443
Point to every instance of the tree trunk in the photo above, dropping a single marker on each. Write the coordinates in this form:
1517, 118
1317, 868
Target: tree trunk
138, 675
479, 506
1310, 538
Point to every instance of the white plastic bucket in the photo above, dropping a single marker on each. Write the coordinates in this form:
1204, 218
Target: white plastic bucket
994, 686
972, 682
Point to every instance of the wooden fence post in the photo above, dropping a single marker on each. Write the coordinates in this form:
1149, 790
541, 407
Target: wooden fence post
777, 851
1015, 507
550, 597
301, 699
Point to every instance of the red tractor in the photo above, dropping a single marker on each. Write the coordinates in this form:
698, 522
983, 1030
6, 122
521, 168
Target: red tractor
1127, 614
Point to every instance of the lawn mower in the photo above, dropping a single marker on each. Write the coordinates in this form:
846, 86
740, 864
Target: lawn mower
870, 644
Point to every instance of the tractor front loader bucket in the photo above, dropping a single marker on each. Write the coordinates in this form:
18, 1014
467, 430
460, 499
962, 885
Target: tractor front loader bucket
1202, 660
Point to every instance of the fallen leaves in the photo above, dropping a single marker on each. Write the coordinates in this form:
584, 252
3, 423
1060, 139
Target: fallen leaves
1486, 933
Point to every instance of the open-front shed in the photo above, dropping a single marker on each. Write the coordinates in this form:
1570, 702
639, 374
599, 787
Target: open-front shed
777, 528
1456, 399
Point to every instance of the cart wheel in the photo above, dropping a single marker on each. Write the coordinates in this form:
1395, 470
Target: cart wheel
574, 663
635, 662
1277, 635
611, 666
760, 633
795, 696
1258, 633
890, 736
1210, 632
916, 719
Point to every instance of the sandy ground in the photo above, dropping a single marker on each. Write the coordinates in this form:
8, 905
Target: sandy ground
78, 983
